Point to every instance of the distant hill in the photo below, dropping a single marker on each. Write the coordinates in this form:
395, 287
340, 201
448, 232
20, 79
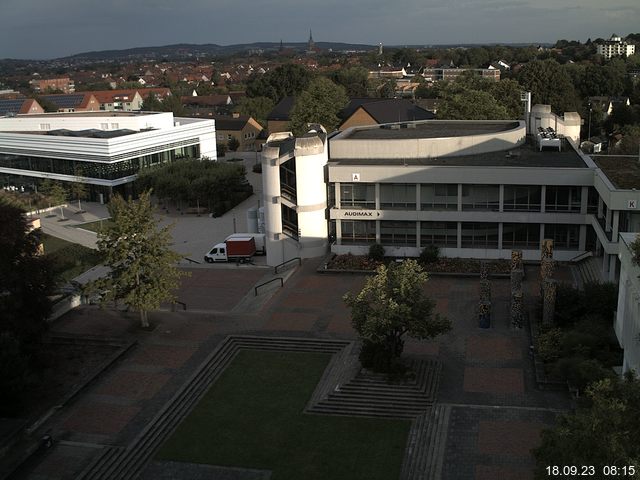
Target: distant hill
210, 49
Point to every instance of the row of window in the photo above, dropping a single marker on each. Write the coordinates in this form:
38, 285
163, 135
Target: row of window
105, 171
527, 198
445, 234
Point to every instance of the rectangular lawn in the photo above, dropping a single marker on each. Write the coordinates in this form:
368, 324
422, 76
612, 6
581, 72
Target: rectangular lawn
252, 417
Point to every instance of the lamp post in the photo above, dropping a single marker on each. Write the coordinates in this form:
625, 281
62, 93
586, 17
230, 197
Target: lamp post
589, 137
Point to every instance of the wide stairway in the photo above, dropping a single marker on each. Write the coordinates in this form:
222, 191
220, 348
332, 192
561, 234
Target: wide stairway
375, 395
589, 270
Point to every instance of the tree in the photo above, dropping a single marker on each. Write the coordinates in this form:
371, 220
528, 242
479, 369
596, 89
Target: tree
26, 281
393, 304
355, 80
319, 103
285, 81
256, 107
233, 144
142, 273
471, 105
151, 103
602, 433
78, 188
550, 84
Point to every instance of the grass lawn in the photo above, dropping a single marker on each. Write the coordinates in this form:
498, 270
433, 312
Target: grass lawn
69, 259
96, 226
252, 417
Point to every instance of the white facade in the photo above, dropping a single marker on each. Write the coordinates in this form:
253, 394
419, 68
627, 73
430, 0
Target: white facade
627, 321
294, 195
615, 47
107, 148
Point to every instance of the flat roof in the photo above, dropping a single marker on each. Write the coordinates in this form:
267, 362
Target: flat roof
98, 113
622, 170
429, 129
523, 156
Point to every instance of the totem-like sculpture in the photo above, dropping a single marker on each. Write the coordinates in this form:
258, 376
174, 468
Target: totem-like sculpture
517, 275
548, 286
484, 306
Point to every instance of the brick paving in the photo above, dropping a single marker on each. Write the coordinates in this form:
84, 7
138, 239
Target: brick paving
497, 412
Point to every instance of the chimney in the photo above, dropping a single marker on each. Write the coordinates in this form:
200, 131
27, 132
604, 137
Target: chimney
236, 114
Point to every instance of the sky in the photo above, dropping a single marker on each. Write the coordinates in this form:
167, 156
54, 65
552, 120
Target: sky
44, 29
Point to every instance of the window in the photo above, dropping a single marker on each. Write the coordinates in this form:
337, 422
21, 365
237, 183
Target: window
521, 235
479, 235
115, 126
592, 201
439, 196
481, 197
522, 198
565, 237
441, 234
288, 187
358, 195
398, 196
563, 199
358, 232
104, 126
289, 222
398, 233
45, 126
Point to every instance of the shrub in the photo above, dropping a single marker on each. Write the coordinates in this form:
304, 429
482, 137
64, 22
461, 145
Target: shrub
376, 252
429, 254
549, 345
580, 372
233, 144
221, 149
14, 374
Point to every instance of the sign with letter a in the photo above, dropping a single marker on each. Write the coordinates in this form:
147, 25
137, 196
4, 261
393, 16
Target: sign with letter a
355, 177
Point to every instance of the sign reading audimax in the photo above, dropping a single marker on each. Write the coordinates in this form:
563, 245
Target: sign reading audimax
360, 213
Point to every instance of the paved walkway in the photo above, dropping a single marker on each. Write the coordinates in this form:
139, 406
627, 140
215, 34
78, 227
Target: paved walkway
496, 411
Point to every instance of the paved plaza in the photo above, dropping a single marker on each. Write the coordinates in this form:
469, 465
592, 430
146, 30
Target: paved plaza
495, 410
487, 382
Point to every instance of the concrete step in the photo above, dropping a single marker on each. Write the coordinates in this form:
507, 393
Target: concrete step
366, 412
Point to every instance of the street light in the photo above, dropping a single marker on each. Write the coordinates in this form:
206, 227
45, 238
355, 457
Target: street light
589, 137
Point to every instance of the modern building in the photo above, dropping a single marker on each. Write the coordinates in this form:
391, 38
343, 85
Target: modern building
615, 47
295, 195
476, 189
627, 321
104, 150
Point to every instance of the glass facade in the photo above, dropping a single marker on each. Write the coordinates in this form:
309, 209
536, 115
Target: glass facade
565, 237
521, 235
441, 234
289, 222
522, 198
288, 180
358, 195
439, 196
358, 233
398, 233
563, 199
479, 235
401, 196
98, 170
481, 197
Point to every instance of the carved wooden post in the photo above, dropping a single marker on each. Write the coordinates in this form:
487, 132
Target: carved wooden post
549, 301
484, 307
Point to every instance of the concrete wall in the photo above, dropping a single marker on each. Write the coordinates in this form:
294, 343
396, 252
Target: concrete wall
627, 319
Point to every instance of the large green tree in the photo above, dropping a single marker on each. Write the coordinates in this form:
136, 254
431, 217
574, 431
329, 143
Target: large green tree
256, 107
286, 80
319, 103
355, 80
393, 304
143, 271
26, 281
550, 84
471, 105
603, 433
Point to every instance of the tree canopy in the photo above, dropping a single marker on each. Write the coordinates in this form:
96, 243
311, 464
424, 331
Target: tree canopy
143, 271
550, 84
602, 433
393, 304
26, 280
285, 81
319, 103
256, 107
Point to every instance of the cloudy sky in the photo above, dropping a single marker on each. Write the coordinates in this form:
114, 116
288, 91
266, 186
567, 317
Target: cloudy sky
40, 29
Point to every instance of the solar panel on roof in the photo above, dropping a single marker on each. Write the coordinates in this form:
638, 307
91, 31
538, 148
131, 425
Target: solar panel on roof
10, 106
65, 101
